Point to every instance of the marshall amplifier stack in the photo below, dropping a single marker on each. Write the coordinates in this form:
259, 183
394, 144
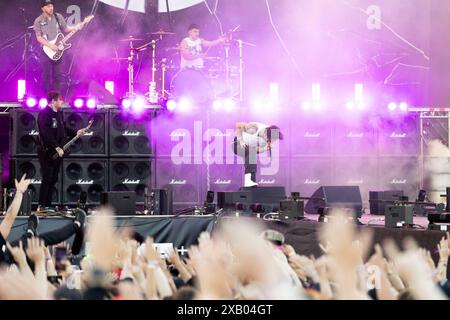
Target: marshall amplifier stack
116, 155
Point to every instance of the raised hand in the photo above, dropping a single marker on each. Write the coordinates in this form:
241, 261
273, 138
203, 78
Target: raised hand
23, 184
35, 250
17, 253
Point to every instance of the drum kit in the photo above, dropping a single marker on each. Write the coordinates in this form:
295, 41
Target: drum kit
218, 78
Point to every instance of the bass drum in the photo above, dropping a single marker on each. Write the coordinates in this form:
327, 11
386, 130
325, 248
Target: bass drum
191, 84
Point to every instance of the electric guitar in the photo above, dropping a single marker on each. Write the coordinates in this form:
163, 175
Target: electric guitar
54, 155
61, 42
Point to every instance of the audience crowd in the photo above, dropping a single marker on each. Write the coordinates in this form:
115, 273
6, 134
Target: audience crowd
239, 260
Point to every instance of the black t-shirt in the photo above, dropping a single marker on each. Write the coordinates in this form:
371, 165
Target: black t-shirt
52, 131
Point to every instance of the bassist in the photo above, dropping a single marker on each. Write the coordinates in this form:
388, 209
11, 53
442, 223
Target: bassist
52, 136
47, 26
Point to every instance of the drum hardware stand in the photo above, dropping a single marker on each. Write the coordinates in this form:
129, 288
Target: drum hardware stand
152, 93
241, 67
131, 59
163, 77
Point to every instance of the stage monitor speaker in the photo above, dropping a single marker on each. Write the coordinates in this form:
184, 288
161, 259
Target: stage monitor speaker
229, 200
131, 175
89, 175
348, 197
268, 197
93, 144
32, 168
24, 133
123, 202
396, 216
378, 200
130, 135
161, 201
291, 209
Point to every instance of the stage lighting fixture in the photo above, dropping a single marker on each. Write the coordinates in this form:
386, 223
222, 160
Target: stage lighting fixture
21, 89
350, 105
78, 103
126, 104
138, 105
229, 104
91, 104
217, 105
403, 106
43, 103
392, 106
306, 105
171, 105
184, 104
31, 102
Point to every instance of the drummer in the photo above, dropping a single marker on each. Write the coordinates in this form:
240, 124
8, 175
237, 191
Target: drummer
191, 48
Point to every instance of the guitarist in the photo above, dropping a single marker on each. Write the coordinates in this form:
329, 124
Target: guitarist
52, 136
47, 26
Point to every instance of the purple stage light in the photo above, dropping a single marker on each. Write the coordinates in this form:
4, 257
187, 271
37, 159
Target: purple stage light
91, 104
392, 106
350, 105
31, 102
217, 105
138, 105
403, 106
43, 103
171, 105
126, 104
78, 103
184, 105
229, 105
306, 105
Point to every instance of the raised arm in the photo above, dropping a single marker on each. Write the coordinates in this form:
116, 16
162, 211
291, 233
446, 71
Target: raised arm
13, 210
213, 43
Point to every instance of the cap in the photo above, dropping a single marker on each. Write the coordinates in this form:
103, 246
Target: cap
46, 3
273, 236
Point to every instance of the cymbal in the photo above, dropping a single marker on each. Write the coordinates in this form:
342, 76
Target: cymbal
130, 39
162, 33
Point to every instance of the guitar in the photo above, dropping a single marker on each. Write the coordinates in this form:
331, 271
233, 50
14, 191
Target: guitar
54, 155
61, 42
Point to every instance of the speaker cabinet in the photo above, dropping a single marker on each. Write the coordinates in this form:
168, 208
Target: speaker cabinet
399, 136
89, 175
32, 168
131, 175
94, 143
400, 173
348, 197
129, 135
24, 133
183, 179
123, 202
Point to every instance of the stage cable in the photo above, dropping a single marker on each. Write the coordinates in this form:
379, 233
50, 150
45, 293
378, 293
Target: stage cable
283, 44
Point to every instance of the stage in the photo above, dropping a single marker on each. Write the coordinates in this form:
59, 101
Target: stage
184, 230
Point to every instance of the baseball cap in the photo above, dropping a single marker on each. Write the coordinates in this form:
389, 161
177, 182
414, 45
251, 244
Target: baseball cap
46, 3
